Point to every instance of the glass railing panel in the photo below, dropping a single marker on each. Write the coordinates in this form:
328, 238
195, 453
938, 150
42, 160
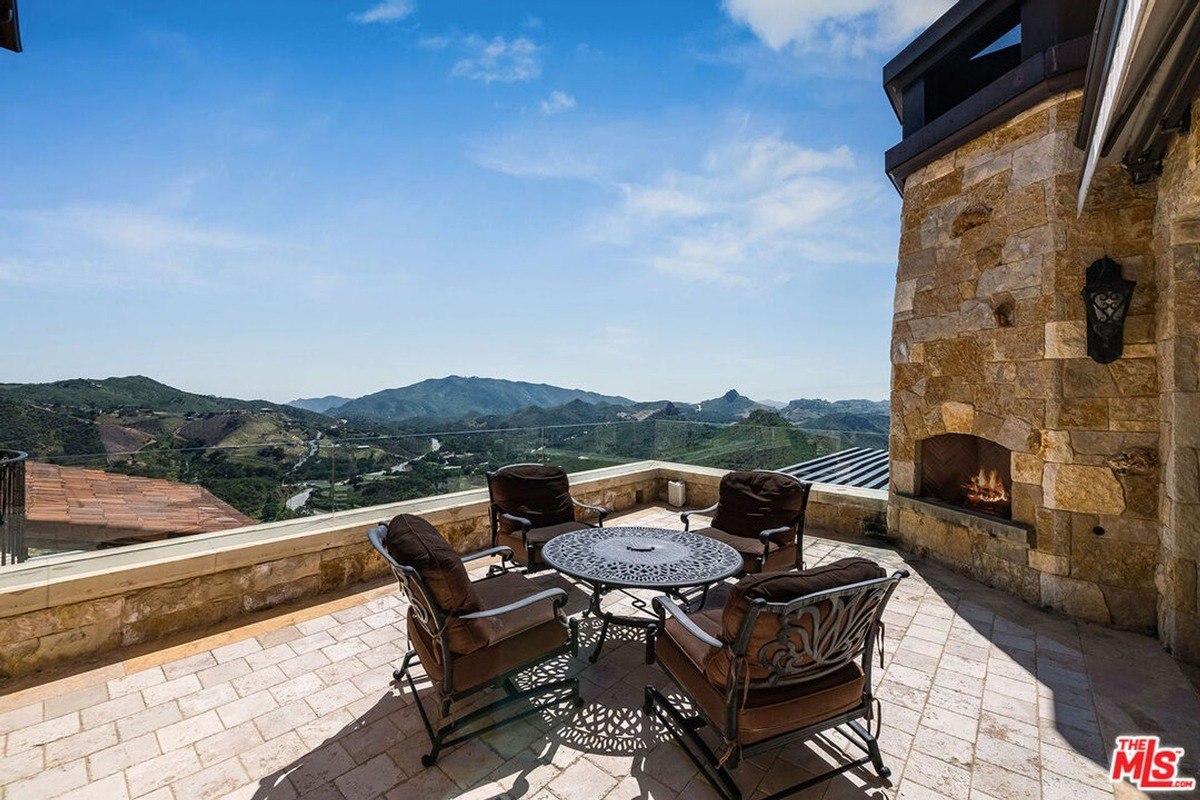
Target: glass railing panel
338, 471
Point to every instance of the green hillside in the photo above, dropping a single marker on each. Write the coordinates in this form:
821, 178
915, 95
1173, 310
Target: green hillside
42, 432
806, 409
576, 412
858, 423
136, 392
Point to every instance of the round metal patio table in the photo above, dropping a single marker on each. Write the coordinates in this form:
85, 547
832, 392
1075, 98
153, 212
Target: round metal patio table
624, 558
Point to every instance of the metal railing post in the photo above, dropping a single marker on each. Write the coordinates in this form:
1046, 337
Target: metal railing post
12, 507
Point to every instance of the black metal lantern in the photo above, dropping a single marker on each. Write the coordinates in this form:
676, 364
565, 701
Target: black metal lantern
1106, 298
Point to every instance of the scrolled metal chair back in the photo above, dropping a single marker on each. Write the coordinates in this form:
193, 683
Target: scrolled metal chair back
817, 634
426, 612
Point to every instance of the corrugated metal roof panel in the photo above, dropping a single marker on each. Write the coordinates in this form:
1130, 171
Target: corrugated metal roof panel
864, 467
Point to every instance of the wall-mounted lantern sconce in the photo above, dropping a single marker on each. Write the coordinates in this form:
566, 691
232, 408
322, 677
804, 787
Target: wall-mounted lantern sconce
1106, 298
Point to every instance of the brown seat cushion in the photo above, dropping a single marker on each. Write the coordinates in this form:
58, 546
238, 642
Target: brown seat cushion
538, 492
751, 502
514, 639
766, 712
537, 537
779, 587
779, 557
415, 543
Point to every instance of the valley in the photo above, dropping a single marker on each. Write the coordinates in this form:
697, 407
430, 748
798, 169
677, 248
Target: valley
274, 461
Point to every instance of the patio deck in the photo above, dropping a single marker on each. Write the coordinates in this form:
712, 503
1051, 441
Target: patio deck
983, 697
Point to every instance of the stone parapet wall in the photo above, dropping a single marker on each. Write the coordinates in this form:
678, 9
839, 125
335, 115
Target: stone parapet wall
988, 339
1177, 247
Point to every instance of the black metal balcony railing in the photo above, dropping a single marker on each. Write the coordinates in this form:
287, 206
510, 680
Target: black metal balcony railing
12, 507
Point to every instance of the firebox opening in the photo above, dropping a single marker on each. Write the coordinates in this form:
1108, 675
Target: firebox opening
968, 472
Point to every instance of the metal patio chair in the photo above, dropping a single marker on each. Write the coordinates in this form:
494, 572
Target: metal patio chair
787, 658
471, 636
759, 513
530, 505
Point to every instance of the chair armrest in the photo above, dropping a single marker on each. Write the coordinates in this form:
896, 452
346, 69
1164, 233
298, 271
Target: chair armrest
380, 531
769, 532
666, 604
601, 511
545, 594
504, 551
524, 523
684, 516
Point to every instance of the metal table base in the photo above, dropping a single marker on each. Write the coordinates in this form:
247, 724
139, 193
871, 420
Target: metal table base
650, 624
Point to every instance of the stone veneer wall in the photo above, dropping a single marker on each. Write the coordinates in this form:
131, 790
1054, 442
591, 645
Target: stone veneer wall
1177, 247
988, 339
71, 609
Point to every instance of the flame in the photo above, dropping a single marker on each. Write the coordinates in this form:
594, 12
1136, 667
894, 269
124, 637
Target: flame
985, 489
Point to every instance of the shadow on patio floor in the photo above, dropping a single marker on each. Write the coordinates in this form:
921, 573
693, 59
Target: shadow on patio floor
605, 748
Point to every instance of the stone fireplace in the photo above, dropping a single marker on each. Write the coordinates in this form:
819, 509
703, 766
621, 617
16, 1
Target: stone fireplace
1016, 458
966, 472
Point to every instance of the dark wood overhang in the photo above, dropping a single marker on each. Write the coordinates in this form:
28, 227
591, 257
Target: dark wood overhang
1143, 72
10, 33
980, 64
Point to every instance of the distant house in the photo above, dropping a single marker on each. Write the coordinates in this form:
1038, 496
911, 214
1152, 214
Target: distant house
10, 34
72, 508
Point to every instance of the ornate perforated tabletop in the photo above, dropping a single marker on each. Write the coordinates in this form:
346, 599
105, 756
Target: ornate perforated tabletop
641, 558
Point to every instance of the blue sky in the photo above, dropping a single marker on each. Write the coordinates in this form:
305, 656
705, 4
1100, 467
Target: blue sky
281, 199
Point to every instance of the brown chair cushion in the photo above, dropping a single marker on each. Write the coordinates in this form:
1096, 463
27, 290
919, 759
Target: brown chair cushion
749, 503
779, 587
779, 557
415, 543
768, 711
514, 639
540, 493
537, 537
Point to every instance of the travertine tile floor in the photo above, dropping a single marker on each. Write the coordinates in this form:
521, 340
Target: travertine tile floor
984, 697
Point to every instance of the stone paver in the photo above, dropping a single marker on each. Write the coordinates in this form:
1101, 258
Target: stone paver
984, 698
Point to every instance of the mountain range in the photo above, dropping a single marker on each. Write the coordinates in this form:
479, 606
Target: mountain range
454, 397
125, 414
320, 404
457, 402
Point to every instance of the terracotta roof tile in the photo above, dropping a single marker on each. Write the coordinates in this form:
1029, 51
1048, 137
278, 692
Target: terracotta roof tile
74, 495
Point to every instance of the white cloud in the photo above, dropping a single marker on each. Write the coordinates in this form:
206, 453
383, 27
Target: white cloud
83, 245
434, 42
755, 211
571, 148
845, 27
555, 160
499, 60
557, 103
386, 11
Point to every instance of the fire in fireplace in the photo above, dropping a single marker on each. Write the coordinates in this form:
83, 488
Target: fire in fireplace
969, 472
